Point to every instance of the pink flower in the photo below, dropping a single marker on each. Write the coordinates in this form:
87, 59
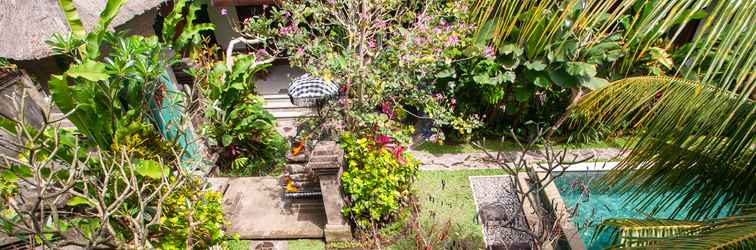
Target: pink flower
223, 12
300, 51
489, 52
265, 6
371, 43
382, 139
380, 24
452, 40
287, 14
386, 108
398, 154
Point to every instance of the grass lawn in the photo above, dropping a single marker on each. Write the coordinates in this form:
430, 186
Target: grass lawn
497, 145
444, 196
306, 244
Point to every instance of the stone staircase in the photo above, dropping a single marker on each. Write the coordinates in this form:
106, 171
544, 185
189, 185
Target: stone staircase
286, 113
261, 208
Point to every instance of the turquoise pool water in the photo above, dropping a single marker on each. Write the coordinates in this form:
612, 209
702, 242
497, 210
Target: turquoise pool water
592, 206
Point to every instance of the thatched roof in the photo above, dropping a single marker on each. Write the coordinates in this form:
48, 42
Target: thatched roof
26, 24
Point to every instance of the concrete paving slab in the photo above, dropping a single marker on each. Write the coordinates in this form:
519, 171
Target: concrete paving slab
256, 209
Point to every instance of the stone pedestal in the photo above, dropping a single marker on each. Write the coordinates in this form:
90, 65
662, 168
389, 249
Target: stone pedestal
326, 161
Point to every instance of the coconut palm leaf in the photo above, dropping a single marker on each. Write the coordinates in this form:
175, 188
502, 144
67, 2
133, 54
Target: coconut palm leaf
733, 232
625, 232
693, 149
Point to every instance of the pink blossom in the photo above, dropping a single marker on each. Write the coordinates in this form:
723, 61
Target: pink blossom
371, 43
265, 6
223, 12
398, 154
380, 24
452, 40
489, 52
387, 109
300, 51
287, 14
420, 40
382, 139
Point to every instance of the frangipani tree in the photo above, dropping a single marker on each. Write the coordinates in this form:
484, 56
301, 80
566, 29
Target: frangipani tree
380, 52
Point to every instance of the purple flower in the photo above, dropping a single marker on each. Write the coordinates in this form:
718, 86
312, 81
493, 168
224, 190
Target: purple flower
452, 40
223, 12
489, 52
287, 14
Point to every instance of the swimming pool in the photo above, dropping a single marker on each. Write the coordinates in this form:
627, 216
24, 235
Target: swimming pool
592, 206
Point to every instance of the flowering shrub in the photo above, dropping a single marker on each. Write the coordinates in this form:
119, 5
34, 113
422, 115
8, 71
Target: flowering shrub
529, 80
383, 53
191, 214
377, 179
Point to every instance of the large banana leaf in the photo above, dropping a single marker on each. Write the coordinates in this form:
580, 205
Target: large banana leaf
72, 16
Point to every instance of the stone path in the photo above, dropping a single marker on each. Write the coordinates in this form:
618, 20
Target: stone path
479, 160
499, 212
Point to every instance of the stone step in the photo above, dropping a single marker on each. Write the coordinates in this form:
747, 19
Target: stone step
278, 114
278, 103
275, 97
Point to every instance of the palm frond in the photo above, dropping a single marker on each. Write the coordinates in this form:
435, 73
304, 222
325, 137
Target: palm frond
693, 150
732, 232
624, 232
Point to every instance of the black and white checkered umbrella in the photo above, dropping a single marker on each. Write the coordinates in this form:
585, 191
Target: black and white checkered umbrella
306, 90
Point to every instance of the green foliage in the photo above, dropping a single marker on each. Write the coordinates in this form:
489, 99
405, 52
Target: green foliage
244, 130
114, 181
188, 212
190, 35
376, 181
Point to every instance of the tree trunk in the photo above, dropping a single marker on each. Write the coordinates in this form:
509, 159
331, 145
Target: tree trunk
576, 94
